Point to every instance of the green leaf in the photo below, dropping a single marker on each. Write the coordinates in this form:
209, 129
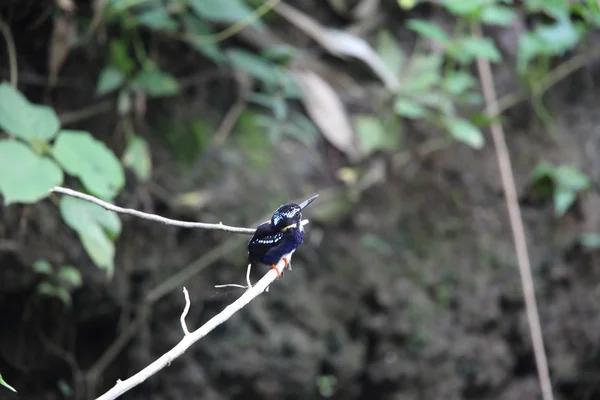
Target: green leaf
498, 15
590, 240
373, 135
156, 83
119, 56
529, 48
110, 79
456, 83
228, 11
137, 157
70, 275
48, 289
96, 228
25, 177
23, 119
569, 178
256, 66
543, 170
481, 47
428, 30
199, 31
91, 161
465, 132
6, 385
157, 19
469, 9
563, 200
424, 73
558, 37
42, 266
409, 108
390, 51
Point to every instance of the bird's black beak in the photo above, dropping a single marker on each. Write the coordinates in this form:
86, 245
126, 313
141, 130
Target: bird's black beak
305, 203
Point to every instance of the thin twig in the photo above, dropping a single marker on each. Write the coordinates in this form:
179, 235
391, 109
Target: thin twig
234, 113
191, 338
553, 77
516, 223
151, 217
12, 52
71, 117
185, 311
238, 26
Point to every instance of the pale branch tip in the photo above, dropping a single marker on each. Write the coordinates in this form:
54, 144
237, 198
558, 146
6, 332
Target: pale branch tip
151, 217
185, 311
189, 339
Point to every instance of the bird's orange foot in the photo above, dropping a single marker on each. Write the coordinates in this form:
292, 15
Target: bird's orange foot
273, 266
287, 263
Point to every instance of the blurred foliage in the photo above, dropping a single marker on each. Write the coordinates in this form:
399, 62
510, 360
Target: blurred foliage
57, 284
432, 82
6, 385
564, 182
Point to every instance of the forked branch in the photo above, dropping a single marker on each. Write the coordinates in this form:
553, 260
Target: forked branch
192, 337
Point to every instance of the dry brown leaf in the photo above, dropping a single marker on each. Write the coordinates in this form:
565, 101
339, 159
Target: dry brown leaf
63, 35
328, 112
340, 43
67, 5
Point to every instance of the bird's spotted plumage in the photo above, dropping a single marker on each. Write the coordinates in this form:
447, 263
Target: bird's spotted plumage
281, 235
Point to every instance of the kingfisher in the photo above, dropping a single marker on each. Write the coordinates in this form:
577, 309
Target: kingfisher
281, 235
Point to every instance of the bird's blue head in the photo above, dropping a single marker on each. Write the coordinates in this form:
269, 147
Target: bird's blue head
289, 215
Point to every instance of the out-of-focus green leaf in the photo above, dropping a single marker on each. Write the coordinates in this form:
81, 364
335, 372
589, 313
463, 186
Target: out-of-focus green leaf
469, 9
563, 200
481, 47
409, 108
70, 275
373, 135
48, 289
157, 19
137, 157
498, 15
199, 32
465, 132
590, 240
110, 79
96, 228
429, 30
91, 161
326, 385
23, 119
570, 178
156, 83
390, 51
228, 11
25, 177
119, 56
424, 73
458, 82
6, 385
42, 266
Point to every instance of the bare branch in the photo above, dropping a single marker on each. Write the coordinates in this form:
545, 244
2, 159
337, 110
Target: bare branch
516, 222
191, 338
151, 217
12, 53
185, 311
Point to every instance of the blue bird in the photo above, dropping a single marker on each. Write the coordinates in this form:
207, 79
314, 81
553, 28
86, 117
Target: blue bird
279, 236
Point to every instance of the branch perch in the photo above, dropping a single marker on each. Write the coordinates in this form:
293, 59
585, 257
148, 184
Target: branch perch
190, 338
151, 217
